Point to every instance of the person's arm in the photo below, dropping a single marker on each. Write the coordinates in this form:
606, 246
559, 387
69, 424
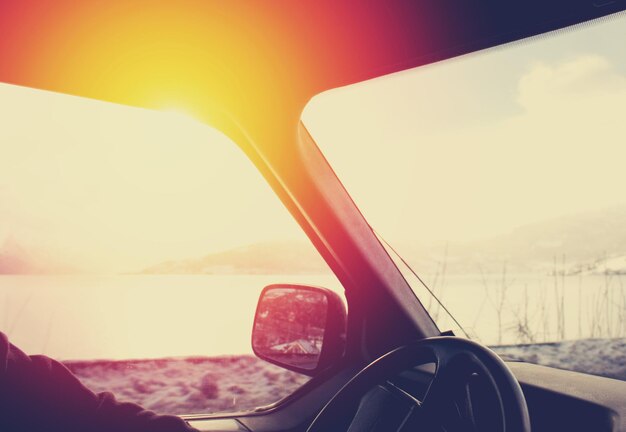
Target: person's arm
40, 394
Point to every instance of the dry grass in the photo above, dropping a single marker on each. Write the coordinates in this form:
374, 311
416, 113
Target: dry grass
190, 385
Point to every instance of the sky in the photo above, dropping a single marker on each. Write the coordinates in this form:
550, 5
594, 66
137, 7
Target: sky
101, 187
465, 149
474, 147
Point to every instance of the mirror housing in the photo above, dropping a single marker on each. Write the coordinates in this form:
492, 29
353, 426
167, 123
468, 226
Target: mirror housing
300, 328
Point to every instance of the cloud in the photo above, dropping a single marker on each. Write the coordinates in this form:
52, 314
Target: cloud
563, 153
557, 85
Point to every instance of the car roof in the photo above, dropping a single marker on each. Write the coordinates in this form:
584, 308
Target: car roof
250, 62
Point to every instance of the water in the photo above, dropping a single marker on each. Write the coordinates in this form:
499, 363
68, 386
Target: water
116, 317
533, 308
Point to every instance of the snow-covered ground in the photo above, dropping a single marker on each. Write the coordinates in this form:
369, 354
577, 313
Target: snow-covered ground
233, 383
604, 357
613, 265
191, 385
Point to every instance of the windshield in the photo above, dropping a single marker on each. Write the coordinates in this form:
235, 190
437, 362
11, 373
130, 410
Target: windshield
499, 178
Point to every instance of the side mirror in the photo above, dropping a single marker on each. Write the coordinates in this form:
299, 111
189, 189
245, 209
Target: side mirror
300, 328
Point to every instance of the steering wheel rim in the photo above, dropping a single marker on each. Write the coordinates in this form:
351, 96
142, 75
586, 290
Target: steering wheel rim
454, 358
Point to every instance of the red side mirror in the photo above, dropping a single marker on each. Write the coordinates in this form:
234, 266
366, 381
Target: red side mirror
300, 328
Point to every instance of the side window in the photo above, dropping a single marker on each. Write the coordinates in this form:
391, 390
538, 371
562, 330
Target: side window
134, 245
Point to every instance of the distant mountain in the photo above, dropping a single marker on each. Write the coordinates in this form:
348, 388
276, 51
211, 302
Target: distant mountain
261, 258
579, 243
609, 265
587, 242
582, 237
16, 260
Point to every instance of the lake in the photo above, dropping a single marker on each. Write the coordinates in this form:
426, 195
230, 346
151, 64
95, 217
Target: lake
532, 307
151, 316
134, 316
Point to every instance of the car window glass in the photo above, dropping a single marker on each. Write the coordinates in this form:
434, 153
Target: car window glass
134, 245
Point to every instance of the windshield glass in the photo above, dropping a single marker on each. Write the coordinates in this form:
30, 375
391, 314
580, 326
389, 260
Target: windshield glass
499, 178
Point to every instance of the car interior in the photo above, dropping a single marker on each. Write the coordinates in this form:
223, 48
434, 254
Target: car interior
381, 364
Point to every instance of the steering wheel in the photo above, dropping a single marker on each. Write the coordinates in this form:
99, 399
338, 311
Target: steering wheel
463, 370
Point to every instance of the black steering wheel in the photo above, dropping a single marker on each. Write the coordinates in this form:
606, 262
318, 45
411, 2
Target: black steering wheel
468, 378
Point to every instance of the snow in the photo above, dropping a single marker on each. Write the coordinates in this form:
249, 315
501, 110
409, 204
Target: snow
239, 383
604, 357
613, 265
191, 385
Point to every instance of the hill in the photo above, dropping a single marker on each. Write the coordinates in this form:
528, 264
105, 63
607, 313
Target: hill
17, 259
14, 259
584, 242
261, 258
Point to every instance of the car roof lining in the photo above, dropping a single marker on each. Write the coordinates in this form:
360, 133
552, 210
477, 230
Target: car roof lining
233, 63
